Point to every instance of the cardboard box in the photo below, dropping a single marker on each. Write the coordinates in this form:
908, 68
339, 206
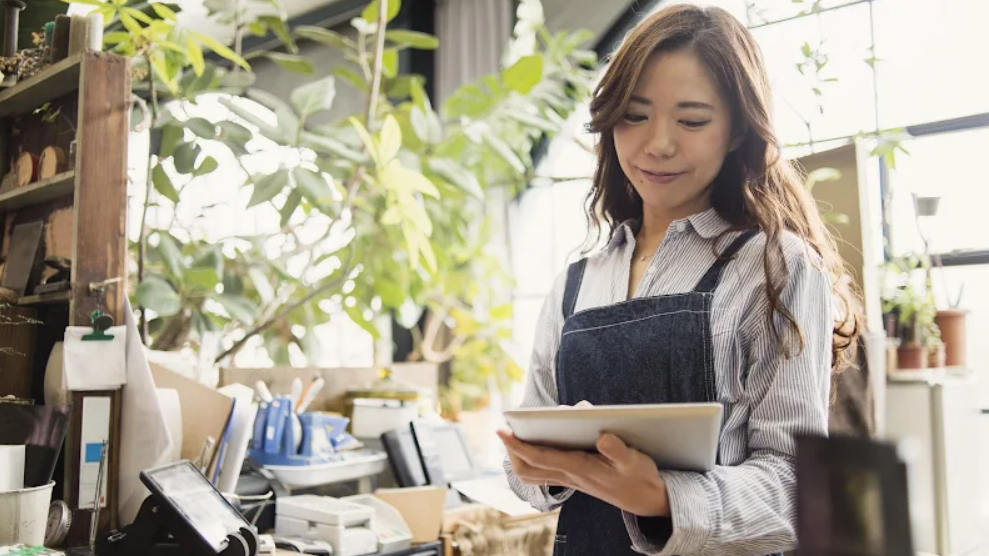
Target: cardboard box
421, 508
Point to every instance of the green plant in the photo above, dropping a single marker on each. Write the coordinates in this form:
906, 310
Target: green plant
381, 213
910, 302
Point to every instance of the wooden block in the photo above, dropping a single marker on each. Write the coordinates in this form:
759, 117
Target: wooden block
26, 168
53, 161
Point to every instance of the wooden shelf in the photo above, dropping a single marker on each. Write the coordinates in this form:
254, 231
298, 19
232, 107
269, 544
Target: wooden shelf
55, 81
46, 299
38, 192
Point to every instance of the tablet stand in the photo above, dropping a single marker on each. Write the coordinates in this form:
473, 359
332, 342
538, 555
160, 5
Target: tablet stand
161, 531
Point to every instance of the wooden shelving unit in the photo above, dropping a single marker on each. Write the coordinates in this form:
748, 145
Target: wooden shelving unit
85, 212
62, 185
45, 299
55, 81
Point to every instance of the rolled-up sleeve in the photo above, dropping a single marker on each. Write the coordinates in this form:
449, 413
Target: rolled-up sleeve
751, 508
540, 391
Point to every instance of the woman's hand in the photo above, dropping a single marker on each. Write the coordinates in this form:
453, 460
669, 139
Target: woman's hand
618, 475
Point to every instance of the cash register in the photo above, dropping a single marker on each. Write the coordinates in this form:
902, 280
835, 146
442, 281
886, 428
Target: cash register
185, 515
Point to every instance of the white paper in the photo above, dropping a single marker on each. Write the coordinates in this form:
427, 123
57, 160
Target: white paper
495, 493
238, 435
95, 430
144, 439
11, 468
96, 365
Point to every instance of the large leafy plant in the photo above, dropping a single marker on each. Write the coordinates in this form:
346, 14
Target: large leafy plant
382, 212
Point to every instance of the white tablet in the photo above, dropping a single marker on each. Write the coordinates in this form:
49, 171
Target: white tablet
676, 436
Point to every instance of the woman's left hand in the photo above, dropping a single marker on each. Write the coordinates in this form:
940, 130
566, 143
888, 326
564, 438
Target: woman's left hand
619, 475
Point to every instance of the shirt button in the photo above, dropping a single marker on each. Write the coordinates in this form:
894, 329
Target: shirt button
681, 226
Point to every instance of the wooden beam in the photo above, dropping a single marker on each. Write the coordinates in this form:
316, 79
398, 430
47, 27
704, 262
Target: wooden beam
99, 245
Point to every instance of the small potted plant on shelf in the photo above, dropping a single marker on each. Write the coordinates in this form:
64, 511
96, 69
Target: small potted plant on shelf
910, 312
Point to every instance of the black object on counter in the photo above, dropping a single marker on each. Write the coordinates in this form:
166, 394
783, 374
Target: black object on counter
42, 430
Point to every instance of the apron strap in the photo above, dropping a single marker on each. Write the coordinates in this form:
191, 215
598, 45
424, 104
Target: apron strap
575, 275
710, 280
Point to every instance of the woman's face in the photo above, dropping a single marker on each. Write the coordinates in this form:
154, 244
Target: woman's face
675, 135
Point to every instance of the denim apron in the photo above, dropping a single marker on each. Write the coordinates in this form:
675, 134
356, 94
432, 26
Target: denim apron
646, 350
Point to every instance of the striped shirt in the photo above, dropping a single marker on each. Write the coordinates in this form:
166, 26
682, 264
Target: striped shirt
747, 504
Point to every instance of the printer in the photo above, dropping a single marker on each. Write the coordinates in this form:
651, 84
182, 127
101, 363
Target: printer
347, 526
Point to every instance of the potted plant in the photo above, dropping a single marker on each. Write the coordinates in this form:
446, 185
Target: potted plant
910, 312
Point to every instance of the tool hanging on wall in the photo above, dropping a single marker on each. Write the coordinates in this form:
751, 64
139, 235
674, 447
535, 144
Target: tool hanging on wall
100, 319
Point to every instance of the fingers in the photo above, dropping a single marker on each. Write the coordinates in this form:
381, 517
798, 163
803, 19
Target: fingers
584, 403
612, 448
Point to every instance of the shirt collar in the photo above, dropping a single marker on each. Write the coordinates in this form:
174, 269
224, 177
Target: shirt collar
708, 224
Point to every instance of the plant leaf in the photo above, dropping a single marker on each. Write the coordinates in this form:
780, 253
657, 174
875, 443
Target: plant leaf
170, 137
261, 284
390, 140
457, 175
195, 56
163, 184
328, 145
313, 186
504, 151
350, 76
402, 180
202, 277
280, 29
412, 39
288, 209
138, 15
201, 127
389, 62
369, 143
314, 97
357, 316
243, 113
221, 49
171, 253
185, 157
267, 187
238, 307
292, 62
235, 132
164, 11
208, 165
524, 74
370, 13
158, 295
326, 37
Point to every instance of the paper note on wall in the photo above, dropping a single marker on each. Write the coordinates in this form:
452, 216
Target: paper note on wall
95, 430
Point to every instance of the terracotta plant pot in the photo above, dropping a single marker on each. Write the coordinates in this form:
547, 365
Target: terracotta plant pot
951, 323
911, 356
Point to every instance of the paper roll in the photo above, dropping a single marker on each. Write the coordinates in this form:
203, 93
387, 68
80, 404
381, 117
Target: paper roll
77, 34
168, 399
11, 468
94, 31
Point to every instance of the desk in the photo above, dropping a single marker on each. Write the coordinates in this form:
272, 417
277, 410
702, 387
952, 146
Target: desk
425, 549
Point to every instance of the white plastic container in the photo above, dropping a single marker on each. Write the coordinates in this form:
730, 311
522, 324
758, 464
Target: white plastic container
24, 515
354, 466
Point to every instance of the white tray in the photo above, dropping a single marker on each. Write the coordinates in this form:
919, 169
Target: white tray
354, 466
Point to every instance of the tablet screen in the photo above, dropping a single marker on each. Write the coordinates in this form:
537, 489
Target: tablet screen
199, 502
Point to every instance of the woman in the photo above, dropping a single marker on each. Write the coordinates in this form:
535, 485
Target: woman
719, 282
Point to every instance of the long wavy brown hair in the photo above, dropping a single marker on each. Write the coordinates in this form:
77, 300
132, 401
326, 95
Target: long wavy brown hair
756, 187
